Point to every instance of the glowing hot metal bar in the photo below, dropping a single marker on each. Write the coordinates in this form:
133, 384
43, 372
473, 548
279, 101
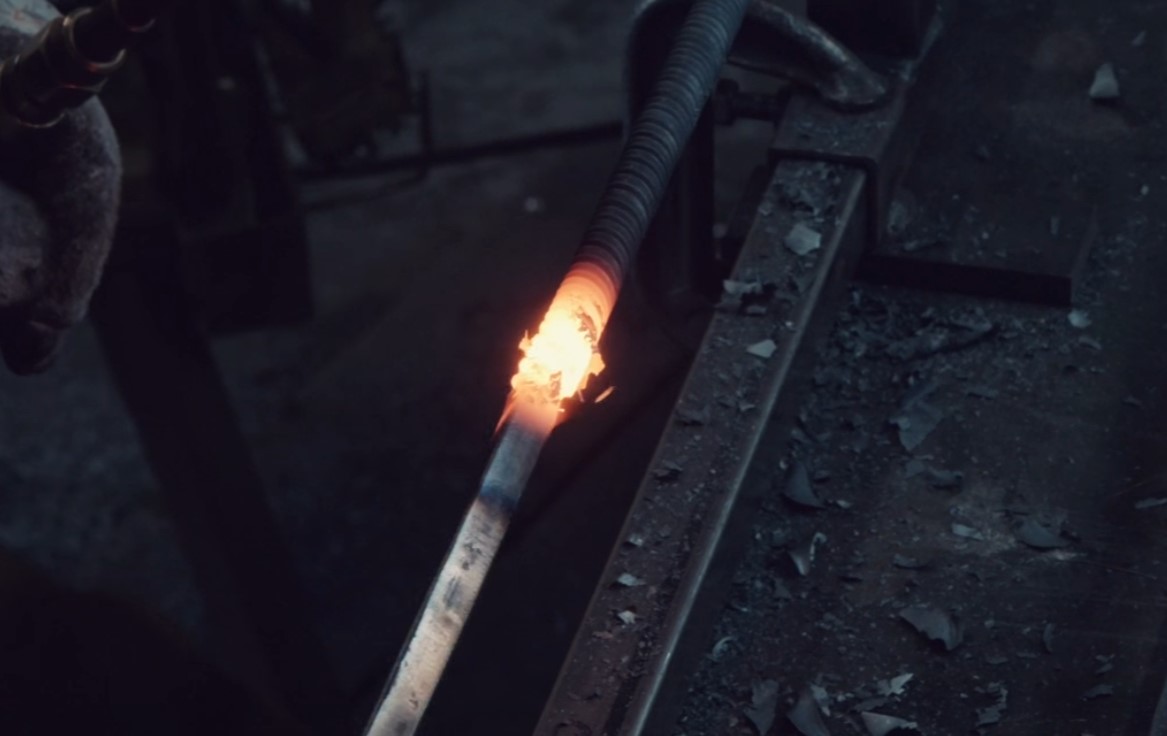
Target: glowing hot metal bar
564, 352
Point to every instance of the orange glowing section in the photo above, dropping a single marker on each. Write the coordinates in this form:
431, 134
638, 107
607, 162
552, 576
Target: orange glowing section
564, 353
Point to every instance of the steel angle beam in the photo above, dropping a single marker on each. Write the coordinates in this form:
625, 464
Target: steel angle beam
637, 643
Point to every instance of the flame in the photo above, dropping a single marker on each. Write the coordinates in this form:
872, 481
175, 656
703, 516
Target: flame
564, 353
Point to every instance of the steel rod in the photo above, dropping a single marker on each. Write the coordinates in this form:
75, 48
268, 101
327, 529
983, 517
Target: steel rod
588, 293
454, 591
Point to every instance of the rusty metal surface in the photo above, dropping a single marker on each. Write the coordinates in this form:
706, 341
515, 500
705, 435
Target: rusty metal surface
632, 643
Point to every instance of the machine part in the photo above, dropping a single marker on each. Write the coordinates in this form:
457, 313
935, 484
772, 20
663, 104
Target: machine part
70, 60
776, 41
586, 296
622, 677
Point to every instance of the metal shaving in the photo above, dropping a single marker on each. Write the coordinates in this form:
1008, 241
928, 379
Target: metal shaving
895, 686
799, 489
1098, 691
878, 724
1034, 534
765, 706
1080, 319
1105, 85
764, 349
939, 626
805, 716
802, 240
627, 580
803, 555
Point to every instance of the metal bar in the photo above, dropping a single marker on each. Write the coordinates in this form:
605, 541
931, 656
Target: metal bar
582, 306
455, 590
622, 670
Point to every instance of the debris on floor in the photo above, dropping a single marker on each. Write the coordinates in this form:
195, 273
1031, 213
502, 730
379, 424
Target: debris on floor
764, 349
939, 626
1105, 84
1080, 319
878, 724
799, 489
764, 707
1033, 533
627, 580
803, 555
805, 715
803, 240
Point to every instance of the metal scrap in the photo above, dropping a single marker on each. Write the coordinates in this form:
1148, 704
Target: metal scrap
668, 470
805, 715
945, 479
982, 392
803, 240
878, 724
896, 686
803, 555
939, 339
628, 580
939, 626
741, 288
991, 715
799, 489
917, 418
967, 532
721, 647
1033, 533
1098, 691
1079, 319
908, 563
822, 697
764, 706
764, 349
694, 417
1105, 84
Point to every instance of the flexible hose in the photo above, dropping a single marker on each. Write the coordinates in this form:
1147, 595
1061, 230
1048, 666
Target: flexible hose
658, 138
